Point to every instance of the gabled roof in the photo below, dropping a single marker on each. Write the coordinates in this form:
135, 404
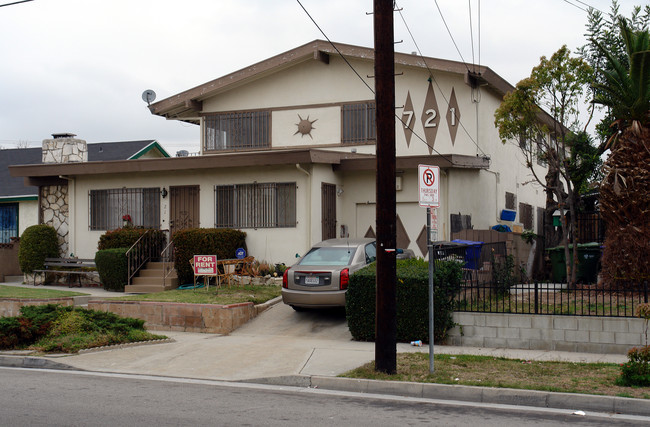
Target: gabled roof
185, 105
13, 188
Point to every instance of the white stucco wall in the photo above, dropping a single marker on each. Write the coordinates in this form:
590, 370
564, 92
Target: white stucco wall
27, 215
272, 245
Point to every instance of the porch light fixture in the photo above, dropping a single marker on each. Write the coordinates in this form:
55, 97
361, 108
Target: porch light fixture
164, 193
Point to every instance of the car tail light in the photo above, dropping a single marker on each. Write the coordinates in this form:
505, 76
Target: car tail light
285, 279
345, 279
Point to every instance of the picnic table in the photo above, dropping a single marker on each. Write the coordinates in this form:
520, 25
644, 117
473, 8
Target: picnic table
72, 267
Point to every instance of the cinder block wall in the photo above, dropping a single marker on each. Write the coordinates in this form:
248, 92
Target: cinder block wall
604, 335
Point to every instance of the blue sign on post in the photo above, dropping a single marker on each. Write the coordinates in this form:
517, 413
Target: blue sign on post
240, 253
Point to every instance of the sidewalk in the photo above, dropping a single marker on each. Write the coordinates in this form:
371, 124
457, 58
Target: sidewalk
253, 353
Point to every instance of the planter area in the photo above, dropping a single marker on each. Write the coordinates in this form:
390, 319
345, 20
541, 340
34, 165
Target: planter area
182, 317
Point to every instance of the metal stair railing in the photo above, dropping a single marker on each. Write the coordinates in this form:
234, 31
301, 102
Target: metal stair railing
167, 257
146, 248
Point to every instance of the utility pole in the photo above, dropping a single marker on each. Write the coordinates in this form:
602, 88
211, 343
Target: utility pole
386, 308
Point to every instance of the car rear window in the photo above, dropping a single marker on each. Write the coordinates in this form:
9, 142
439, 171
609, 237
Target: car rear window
329, 256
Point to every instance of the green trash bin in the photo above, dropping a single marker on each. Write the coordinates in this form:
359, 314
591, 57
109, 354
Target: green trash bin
588, 259
558, 263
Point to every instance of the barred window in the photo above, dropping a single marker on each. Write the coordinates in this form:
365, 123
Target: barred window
358, 122
8, 221
231, 131
526, 215
108, 207
258, 205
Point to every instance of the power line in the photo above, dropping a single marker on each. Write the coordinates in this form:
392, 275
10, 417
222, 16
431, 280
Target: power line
408, 29
576, 6
471, 33
16, 2
450, 35
366, 83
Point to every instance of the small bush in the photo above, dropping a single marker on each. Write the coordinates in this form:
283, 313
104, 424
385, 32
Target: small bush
126, 237
33, 323
412, 300
636, 371
113, 268
55, 328
37, 243
222, 242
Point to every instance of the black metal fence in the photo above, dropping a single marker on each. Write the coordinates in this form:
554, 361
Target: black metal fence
492, 284
590, 227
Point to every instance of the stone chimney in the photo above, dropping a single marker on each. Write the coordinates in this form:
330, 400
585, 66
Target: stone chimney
53, 198
64, 148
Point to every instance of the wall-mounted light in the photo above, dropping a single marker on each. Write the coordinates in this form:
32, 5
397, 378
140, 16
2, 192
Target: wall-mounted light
164, 193
339, 192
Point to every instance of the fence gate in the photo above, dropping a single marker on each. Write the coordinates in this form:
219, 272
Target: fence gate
183, 207
328, 204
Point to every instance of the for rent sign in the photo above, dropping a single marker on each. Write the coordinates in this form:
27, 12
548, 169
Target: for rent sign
205, 264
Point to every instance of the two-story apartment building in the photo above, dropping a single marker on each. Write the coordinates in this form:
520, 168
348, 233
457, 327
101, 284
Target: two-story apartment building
288, 155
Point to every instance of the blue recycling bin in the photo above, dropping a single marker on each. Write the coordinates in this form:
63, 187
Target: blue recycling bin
472, 254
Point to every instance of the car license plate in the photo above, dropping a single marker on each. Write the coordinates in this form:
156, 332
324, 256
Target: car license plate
311, 280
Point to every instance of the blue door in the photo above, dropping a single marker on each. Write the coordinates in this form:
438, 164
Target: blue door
8, 221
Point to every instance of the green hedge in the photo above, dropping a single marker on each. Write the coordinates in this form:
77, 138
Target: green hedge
37, 243
113, 268
412, 300
126, 237
222, 242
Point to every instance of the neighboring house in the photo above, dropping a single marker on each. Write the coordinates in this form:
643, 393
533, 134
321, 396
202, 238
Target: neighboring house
19, 203
288, 156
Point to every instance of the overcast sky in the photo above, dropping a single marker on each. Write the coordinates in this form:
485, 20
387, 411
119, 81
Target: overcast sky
81, 66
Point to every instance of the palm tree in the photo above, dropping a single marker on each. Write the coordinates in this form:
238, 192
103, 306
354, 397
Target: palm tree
625, 189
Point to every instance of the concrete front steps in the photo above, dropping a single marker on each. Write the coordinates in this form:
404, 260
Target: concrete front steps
150, 279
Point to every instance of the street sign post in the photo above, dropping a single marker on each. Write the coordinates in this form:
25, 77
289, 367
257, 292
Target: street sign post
429, 189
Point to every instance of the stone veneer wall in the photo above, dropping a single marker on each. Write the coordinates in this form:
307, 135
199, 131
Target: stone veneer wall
586, 334
54, 201
10, 307
169, 316
64, 150
54, 210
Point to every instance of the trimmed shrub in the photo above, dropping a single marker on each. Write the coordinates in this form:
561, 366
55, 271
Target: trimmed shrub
222, 242
113, 268
33, 323
37, 243
636, 371
412, 300
126, 237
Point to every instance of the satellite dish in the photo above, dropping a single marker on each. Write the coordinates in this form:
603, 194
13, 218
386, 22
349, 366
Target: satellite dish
148, 96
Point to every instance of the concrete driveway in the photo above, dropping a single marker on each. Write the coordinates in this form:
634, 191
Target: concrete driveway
280, 342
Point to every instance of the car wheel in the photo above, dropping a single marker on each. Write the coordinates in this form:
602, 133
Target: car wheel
298, 308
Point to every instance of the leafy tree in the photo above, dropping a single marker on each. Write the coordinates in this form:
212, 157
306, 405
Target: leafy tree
558, 85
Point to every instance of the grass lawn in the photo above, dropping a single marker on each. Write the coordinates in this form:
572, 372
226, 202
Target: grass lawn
256, 294
16, 292
487, 371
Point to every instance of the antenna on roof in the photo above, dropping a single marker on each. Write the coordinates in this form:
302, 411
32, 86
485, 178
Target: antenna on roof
148, 96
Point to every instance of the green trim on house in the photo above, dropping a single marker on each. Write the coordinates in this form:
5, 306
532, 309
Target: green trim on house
13, 199
148, 148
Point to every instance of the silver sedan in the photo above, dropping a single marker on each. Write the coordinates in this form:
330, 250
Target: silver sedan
321, 277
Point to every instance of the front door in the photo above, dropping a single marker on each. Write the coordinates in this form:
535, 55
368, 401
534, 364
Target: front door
328, 206
183, 207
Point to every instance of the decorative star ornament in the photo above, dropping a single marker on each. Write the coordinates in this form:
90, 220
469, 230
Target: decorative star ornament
305, 127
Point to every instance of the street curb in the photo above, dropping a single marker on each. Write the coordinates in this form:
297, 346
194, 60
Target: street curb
33, 362
504, 396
